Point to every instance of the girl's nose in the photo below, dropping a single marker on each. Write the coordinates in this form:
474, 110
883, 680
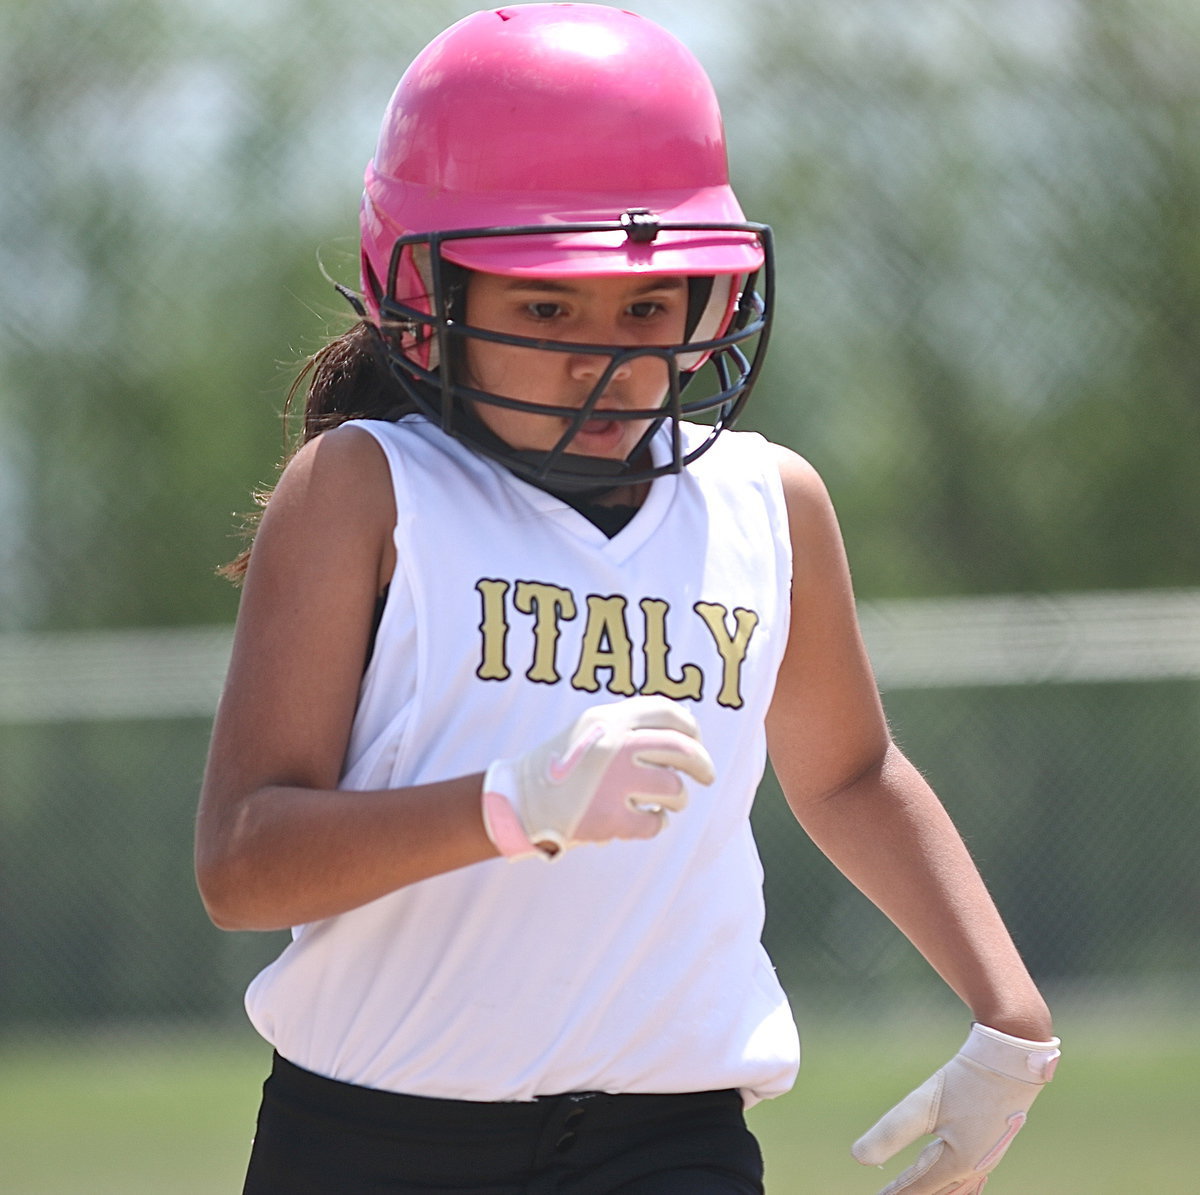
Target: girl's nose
588, 367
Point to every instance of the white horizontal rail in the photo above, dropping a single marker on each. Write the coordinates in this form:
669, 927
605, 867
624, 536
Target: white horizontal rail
98, 675
919, 644
1020, 640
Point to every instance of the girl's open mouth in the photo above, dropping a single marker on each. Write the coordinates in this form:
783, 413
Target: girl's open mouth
596, 426
600, 435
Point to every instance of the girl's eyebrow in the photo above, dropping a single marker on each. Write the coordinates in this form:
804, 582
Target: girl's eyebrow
555, 287
538, 284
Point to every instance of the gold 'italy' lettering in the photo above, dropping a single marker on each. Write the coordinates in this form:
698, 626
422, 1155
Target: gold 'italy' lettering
548, 604
606, 644
659, 681
731, 648
494, 631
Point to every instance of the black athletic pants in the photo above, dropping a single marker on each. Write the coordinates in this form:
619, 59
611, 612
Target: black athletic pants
317, 1136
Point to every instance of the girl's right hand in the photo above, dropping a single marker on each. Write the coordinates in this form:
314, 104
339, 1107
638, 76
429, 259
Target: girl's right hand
613, 773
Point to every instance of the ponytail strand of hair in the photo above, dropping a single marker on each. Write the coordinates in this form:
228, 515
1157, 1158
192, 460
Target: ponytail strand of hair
348, 378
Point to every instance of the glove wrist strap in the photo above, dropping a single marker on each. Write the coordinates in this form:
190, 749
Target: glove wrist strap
500, 818
1028, 1061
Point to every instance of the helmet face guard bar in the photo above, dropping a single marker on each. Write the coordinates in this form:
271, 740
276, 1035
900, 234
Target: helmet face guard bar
444, 398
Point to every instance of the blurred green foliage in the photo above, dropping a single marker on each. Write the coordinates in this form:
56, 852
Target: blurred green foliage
992, 283
989, 319
988, 341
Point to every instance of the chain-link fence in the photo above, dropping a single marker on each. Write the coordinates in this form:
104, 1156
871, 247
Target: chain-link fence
988, 340
988, 328
1061, 733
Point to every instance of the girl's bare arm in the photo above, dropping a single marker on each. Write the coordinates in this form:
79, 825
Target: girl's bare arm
276, 843
860, 799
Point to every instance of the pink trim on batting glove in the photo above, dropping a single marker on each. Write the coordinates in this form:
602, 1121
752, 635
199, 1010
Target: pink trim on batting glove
989, 1159
504, 827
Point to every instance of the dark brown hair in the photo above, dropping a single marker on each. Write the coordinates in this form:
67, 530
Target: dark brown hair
348, 378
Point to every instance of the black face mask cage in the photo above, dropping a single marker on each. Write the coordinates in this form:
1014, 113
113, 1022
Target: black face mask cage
439, 394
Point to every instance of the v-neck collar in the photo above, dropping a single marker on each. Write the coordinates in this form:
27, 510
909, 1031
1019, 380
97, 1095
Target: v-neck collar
634, 534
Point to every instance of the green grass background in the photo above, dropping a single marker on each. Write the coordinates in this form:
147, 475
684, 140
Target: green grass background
171, 1113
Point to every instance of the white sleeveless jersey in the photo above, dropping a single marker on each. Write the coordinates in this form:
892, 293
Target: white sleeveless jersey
624, 967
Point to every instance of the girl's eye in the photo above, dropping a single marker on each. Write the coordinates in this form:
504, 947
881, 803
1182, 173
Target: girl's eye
544, 311
645, 310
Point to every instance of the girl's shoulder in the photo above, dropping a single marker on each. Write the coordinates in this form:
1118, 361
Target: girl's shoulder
345, 459
740, 456
409, 442
800, 479
335, 485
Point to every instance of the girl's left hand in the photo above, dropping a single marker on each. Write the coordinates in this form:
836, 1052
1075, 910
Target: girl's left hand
975, 1106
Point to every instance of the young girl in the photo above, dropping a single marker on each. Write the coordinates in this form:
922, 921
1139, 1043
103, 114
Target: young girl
520, 624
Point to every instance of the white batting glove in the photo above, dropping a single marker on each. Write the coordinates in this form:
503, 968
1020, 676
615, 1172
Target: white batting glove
974, 1106
614, 773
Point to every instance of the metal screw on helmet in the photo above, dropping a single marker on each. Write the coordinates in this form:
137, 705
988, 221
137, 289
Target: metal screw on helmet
640, 224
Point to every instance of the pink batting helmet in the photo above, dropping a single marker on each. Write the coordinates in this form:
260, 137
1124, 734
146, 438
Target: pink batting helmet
572, 139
